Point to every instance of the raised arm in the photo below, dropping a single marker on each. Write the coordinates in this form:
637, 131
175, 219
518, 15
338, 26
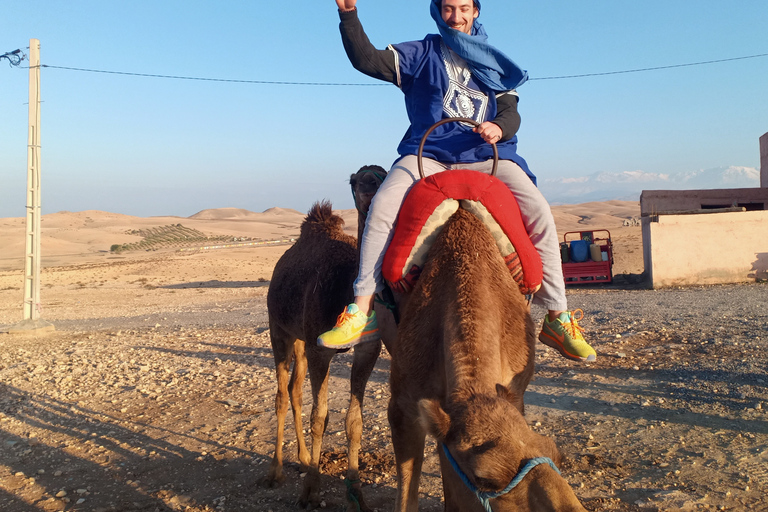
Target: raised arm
379, 64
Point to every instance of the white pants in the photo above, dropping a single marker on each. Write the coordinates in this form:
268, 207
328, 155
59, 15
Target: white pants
535, 211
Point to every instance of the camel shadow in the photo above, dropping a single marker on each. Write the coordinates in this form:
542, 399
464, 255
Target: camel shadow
263, 357
138, 461
241, 316
626, 281
250, 356
215, 283
10, 502
649, 391
118, 461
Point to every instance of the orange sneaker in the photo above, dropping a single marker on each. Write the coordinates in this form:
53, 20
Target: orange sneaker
352, 327
564, 335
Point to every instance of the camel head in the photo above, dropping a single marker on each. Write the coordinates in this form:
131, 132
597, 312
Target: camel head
364, 183
491, 444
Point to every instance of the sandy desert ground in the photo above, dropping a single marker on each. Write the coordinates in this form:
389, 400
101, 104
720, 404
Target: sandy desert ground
156, 390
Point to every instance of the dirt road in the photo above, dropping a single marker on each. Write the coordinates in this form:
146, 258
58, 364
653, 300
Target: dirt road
157, 394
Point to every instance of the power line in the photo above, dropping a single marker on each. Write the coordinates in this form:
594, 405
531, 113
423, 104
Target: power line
640, 70
341, 84
261, 82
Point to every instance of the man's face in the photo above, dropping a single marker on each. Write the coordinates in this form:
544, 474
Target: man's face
459, 14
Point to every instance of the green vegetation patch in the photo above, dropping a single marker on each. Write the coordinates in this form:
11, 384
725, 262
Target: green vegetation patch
171, 236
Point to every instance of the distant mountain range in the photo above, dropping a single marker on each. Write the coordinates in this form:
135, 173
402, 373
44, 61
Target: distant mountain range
627, 186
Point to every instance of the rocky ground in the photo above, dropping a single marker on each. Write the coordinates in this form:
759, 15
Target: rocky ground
157, 395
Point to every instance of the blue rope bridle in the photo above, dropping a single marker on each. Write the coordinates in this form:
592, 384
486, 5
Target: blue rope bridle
485, 496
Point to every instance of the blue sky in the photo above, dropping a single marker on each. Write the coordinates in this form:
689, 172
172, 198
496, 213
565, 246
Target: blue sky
151, 146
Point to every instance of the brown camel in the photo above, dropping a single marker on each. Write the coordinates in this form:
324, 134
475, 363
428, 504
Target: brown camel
311, 284
463, 358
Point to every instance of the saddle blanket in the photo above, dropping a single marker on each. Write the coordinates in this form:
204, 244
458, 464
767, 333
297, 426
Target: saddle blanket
429, 205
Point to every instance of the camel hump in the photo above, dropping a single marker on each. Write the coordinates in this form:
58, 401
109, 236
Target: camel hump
321, 219
320, 212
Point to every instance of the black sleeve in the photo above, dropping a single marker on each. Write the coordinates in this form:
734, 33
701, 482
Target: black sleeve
379, 64
507, 116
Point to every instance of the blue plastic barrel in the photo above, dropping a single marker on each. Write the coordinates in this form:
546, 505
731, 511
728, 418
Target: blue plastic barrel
579, 251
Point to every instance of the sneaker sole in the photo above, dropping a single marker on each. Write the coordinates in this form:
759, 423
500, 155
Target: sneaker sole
550, 342
365, 337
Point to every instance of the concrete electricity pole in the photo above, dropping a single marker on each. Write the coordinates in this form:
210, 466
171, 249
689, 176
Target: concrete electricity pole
32, 320
764, 160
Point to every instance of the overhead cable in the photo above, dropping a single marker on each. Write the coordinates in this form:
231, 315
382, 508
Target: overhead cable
262, 82
341, 84
640, 70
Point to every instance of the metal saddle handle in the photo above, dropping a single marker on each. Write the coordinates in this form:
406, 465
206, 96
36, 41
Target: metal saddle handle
451, 120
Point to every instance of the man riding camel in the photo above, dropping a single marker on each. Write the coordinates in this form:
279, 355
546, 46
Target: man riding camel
453, 74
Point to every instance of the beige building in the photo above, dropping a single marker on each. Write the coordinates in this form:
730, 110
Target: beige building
707, 236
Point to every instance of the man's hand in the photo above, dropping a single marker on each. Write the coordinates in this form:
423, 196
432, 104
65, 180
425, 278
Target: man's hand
490, 132
346, 5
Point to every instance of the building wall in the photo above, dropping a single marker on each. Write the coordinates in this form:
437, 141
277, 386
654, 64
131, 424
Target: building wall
764, 161
708, 248
653, 202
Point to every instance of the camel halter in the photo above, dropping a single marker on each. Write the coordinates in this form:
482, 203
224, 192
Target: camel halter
486, 497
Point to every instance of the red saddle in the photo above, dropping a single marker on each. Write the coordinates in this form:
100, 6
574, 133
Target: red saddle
429, 205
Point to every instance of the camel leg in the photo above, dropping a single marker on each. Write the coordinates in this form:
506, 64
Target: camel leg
408, 440
456, 494
282, 348
387, 325
318, 376
295, 385
362, 366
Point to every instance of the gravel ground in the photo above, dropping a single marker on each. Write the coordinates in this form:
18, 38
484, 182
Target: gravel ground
169, 406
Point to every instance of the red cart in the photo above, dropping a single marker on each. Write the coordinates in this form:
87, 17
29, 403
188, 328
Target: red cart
590, 271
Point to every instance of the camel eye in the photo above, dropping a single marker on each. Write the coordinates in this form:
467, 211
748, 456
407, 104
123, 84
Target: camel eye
485, 447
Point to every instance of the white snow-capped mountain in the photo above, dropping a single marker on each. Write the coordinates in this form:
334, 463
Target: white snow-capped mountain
627, 186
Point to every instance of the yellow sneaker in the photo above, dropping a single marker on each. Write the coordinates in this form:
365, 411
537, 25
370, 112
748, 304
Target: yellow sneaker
352, 327
564, 335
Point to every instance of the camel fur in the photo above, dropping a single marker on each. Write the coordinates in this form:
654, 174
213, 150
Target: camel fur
463, 358
311, 285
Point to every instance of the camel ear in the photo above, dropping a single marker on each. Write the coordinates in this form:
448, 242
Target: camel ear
353, 180
433, 418
504, 393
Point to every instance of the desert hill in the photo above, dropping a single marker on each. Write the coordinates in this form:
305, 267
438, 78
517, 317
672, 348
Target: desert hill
242, 214
71, 238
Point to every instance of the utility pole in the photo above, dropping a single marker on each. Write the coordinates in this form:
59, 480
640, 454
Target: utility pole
764, 160
32, 321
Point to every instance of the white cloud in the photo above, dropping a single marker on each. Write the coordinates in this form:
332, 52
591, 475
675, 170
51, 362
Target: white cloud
628, 185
